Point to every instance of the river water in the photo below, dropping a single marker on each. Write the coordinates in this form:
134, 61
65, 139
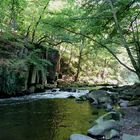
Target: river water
44, 117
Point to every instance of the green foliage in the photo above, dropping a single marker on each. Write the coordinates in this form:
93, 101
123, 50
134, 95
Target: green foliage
63, 27
12, 79
8, 81
34, 58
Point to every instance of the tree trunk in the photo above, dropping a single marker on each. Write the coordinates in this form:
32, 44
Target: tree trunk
123, 40
78, 66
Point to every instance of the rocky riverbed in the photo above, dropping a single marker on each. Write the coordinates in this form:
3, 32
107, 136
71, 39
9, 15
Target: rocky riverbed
123, 120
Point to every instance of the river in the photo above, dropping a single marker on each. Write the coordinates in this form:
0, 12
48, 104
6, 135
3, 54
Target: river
44, 117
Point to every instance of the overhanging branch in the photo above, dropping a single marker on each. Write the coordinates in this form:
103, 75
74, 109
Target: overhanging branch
99, 43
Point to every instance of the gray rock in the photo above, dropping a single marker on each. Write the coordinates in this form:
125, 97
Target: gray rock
111, 134
103, 127
95, 102
130, 137
107, 126
109, 107
101, 96
110, 116
82, 98
79, 137
123, 103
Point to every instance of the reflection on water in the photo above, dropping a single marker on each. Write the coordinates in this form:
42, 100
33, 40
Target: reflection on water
44, 119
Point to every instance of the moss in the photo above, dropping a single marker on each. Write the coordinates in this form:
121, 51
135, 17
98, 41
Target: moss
16, 60
12, 80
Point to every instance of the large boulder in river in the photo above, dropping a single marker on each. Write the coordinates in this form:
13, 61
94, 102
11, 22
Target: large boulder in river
123, 103
80, 137
103, 127
107, 126
100, 97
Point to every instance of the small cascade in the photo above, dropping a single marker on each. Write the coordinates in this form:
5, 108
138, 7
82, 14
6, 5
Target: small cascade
49, 94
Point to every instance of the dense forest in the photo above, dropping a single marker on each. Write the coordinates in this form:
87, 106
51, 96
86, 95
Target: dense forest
70, 70
94, 42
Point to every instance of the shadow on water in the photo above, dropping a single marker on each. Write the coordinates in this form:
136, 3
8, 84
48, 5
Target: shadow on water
44, 119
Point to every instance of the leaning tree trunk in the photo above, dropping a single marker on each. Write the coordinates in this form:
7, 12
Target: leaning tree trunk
134, 61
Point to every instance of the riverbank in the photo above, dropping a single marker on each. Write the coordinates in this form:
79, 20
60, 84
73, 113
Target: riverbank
127, 100
131, 120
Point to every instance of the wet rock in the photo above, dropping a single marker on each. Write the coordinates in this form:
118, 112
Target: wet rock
95, 102
109, 107
55, 90
103, 127
123, 103
81, 98
130, 137
111, 134
80, 137
107, 126
110, 116
99, 96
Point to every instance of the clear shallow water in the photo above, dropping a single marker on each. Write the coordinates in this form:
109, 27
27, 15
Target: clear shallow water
43, 119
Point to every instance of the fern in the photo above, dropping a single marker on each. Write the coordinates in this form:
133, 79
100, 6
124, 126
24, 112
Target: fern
35, 59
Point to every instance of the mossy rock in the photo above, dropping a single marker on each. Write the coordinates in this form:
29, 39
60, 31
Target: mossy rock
134, 103
112, 115
11, 80
101, 96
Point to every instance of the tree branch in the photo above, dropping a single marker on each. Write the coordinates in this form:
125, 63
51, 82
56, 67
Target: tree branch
123, 40
28, 31
99, 43
39, 19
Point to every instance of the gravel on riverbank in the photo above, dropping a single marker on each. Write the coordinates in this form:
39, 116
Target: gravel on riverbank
131, 121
